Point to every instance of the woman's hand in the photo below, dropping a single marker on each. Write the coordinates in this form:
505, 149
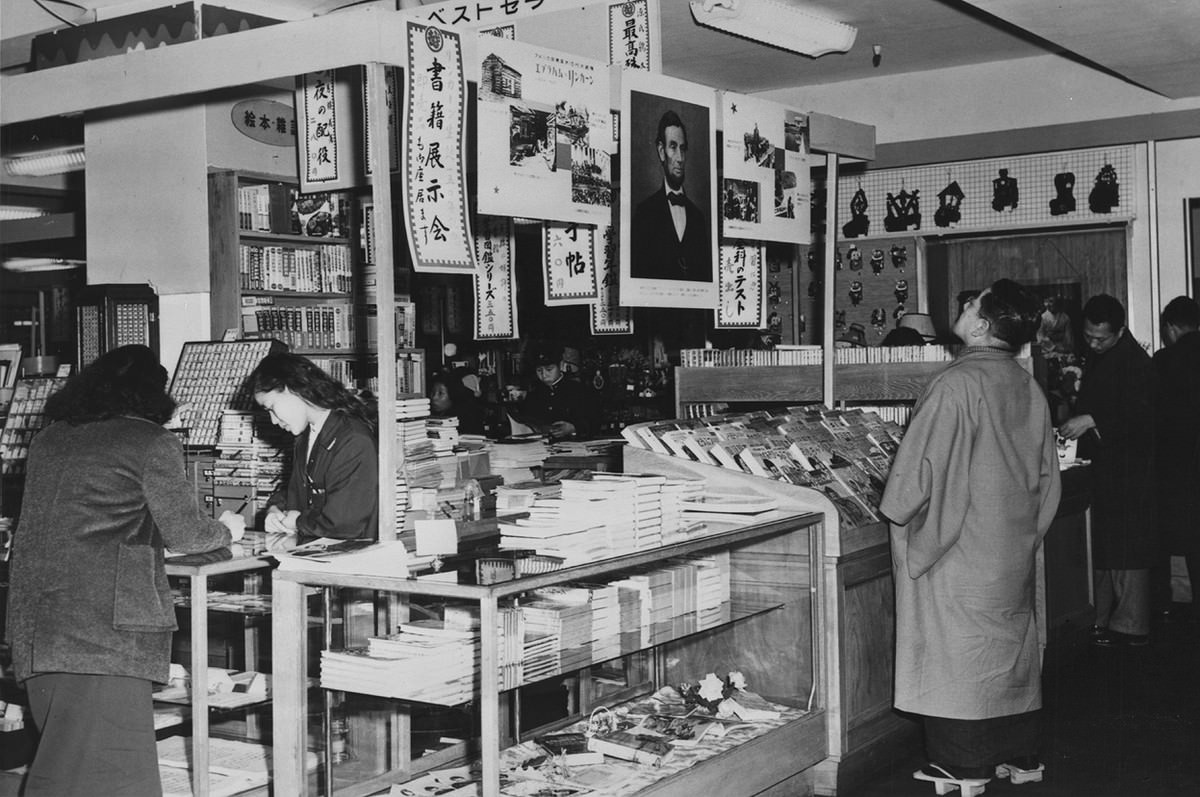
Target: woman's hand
279, 522
1076, 427
235, 523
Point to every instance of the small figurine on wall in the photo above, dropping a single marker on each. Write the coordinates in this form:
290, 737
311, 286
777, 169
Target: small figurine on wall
899, 256
879, 320
859, 224
949, 200
877, 261
1064, 188
901, 291
854, 256
1004, 192
1106, 193
856, 293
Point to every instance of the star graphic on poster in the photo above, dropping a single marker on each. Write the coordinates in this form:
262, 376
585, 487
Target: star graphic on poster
733, 107
496, 190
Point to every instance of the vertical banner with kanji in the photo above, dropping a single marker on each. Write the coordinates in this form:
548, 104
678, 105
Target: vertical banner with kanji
435, 196
324, 114
495, 289
740, 294
568, 264
631, 35
393, 109
608, 317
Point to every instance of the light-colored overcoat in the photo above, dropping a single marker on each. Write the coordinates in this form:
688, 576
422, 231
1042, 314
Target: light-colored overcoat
971, 493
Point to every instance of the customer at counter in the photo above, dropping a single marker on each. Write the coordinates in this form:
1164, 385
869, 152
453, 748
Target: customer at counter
333, 490
1114, 424
90, 611
558, 405
449, 397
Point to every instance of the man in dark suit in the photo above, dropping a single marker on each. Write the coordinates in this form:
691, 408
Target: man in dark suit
669, 233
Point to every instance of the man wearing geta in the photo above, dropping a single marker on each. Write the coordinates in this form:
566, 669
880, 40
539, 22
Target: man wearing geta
669, 233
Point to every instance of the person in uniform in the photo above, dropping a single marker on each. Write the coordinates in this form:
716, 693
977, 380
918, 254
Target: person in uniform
333, 490
1114, 425
970, 495
557, 405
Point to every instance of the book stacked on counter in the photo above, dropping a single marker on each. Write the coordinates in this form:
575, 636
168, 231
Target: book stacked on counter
411, 412
249, 466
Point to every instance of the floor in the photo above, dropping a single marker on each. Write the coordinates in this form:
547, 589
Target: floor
1117, 722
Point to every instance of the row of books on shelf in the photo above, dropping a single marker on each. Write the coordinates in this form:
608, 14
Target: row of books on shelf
328, 325
812, 355
553, 630
845, 454
326, 268
279, 208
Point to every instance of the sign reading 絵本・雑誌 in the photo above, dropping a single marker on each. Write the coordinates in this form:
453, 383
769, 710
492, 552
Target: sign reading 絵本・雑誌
439, 236
495, 291
740, 292
545, 134
568, 265
607, 316
765, 187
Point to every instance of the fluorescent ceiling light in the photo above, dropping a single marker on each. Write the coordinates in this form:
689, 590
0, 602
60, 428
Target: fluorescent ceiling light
30, 264
21, 212
776, 23
47, 162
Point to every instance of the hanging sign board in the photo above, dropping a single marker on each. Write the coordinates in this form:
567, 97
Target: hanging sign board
435, 196
631, 35
391, 82
607, 316
740, 294
323, 118
545, 145
766, 185
495, 289
568, 264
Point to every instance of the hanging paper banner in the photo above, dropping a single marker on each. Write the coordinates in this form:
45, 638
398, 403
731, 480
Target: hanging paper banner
323, 117
740, 290
608, 317
393, 108
568, 263
545, 134
495, 289
630, 36
476, 15
766, 184
435, 197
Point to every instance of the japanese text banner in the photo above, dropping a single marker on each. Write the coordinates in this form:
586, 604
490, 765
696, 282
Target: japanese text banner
568, 264
740, 293
608, 317
435, 197
495, 287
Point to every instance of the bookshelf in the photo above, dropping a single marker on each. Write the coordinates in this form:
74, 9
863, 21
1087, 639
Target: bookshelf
281, 264
771, 633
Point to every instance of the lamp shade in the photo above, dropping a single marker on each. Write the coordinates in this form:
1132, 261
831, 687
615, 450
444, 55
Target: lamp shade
921, 322
776, 23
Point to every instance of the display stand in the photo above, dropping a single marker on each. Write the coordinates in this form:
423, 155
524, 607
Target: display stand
245, 561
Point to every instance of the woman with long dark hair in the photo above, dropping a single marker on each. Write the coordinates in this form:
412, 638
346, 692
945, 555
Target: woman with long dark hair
90, 612
333, 490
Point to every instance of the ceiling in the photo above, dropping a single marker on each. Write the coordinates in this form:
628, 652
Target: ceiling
1153, 44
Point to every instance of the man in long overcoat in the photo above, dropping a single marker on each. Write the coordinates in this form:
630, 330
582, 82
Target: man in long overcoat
971, 493
1115, 429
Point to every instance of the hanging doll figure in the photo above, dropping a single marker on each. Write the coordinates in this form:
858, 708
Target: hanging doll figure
899, 312
899, 256
839, 319
877, 261
901, 291
854, 255
856, 293
949, 200
1106, 193
859, 224
1064, 187
1004, 192
879, 320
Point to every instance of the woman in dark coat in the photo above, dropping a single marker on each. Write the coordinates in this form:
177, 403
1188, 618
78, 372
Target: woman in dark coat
90, 612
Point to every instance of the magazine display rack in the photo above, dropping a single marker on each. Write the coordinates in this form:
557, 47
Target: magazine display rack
773, 633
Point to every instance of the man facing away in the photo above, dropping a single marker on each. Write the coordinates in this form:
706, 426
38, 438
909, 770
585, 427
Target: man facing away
1115, 430
668, 232
971, 493
1177, 447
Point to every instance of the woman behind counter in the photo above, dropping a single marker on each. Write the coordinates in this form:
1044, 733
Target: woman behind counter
334, 486
90, 611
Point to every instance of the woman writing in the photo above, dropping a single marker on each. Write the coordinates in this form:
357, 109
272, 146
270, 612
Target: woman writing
333, 489
90, 610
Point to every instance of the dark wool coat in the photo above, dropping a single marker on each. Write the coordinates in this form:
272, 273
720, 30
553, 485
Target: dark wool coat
1177, 451
88, 590
655, 251
336, 488
1117, 391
